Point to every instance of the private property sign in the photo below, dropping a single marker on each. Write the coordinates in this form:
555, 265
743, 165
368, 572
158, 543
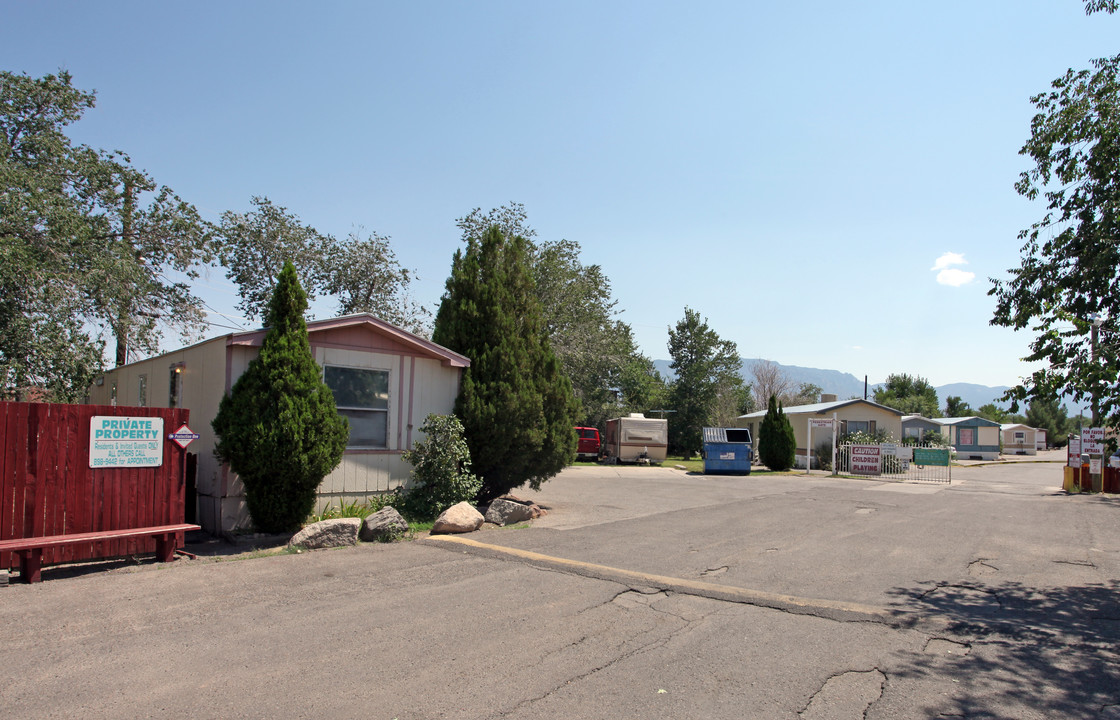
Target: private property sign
866, 460
125, 441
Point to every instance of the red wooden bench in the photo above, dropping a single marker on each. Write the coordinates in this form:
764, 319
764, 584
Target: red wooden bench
30, 550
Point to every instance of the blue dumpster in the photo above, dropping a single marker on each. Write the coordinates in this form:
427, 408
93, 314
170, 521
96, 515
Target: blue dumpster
727, 451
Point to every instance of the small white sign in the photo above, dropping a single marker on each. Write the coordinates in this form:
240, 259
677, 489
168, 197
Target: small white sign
1114, 462
1095, 466
1092, 434
183, 436
125, 441
865, 460
820, 422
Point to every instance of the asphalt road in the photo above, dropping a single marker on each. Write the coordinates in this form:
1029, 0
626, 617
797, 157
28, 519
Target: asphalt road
644, 593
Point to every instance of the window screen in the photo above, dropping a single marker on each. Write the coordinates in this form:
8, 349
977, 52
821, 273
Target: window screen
362, 396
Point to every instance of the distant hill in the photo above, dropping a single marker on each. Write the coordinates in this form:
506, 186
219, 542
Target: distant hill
845, 385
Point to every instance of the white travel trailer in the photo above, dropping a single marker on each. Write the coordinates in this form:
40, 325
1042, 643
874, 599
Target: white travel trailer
636, 438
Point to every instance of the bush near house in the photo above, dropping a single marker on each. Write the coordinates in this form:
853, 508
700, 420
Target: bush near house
279, 429
776, 442
441, 469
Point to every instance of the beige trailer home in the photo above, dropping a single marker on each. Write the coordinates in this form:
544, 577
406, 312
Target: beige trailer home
636, 438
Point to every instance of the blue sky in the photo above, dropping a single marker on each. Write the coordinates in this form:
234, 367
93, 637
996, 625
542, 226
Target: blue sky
802, 174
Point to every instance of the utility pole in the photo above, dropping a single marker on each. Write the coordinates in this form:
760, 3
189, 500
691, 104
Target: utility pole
124, 321
1095, 323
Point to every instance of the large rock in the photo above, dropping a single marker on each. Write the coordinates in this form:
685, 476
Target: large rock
508, 512
328, 533
385, 524
461, 518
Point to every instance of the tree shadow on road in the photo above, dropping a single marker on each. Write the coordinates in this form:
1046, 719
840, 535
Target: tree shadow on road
1010, 650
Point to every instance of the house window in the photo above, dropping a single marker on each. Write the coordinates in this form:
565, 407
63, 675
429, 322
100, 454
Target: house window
912, 432
142, 392
966, 436
855, 426
362, 396
1020, 436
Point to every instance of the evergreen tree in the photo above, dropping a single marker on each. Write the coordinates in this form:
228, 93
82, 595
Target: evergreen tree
706, 367
515, 402
776, 442
279, 429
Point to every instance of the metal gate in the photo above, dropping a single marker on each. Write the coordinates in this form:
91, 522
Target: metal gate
911, 463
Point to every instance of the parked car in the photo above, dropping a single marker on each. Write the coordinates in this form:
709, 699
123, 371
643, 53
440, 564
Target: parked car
587, 447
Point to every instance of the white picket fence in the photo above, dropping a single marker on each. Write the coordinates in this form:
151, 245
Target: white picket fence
913, 463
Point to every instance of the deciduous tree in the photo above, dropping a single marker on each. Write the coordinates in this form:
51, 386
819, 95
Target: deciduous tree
909, 394
1070, 268
88, 244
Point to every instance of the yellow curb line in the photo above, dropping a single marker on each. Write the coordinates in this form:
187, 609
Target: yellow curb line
831, 609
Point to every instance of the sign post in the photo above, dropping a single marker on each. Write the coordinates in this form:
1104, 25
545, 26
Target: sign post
818, 423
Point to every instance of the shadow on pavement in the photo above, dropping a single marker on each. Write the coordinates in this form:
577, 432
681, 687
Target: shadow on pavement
1049, 652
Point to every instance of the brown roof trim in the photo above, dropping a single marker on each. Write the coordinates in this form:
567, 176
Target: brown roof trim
422, 346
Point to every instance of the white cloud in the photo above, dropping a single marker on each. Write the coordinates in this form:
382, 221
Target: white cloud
949, 275
949, 259
955, 277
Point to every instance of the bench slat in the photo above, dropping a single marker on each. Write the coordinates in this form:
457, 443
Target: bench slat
16, 544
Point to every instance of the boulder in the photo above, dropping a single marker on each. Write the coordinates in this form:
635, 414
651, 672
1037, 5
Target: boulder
383, 525
328, 533
508, 512
461, 518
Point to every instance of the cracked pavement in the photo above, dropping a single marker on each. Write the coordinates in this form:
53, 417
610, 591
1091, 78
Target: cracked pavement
645, 593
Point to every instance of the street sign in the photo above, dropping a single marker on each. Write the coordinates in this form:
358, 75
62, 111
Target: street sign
125, 441
1093, 448
820, 422
1092, 434
931, 456
183, 436
1074, 452
866, 460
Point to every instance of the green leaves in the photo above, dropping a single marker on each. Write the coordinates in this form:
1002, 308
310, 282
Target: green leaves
908, 394
441, 469
777, 445
515, 402
1070, 267
279, 429
707, 369
87, 245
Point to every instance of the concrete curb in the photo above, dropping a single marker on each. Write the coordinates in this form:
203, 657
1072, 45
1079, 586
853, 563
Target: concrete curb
829, 609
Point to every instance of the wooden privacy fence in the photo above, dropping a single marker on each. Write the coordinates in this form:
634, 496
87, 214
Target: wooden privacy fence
47, 486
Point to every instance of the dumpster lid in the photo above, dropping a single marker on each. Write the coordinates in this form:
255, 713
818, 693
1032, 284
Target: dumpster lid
726, 435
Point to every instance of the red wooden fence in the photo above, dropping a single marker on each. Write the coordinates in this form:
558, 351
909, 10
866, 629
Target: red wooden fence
48, 488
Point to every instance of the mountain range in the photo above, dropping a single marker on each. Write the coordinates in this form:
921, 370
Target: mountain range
845, 385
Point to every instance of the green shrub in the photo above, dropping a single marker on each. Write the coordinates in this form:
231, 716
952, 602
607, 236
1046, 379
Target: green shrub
441, 469
776, 443
279, 429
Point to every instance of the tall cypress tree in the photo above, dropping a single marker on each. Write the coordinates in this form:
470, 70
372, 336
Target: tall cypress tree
279, 429
515, 402
777, 444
